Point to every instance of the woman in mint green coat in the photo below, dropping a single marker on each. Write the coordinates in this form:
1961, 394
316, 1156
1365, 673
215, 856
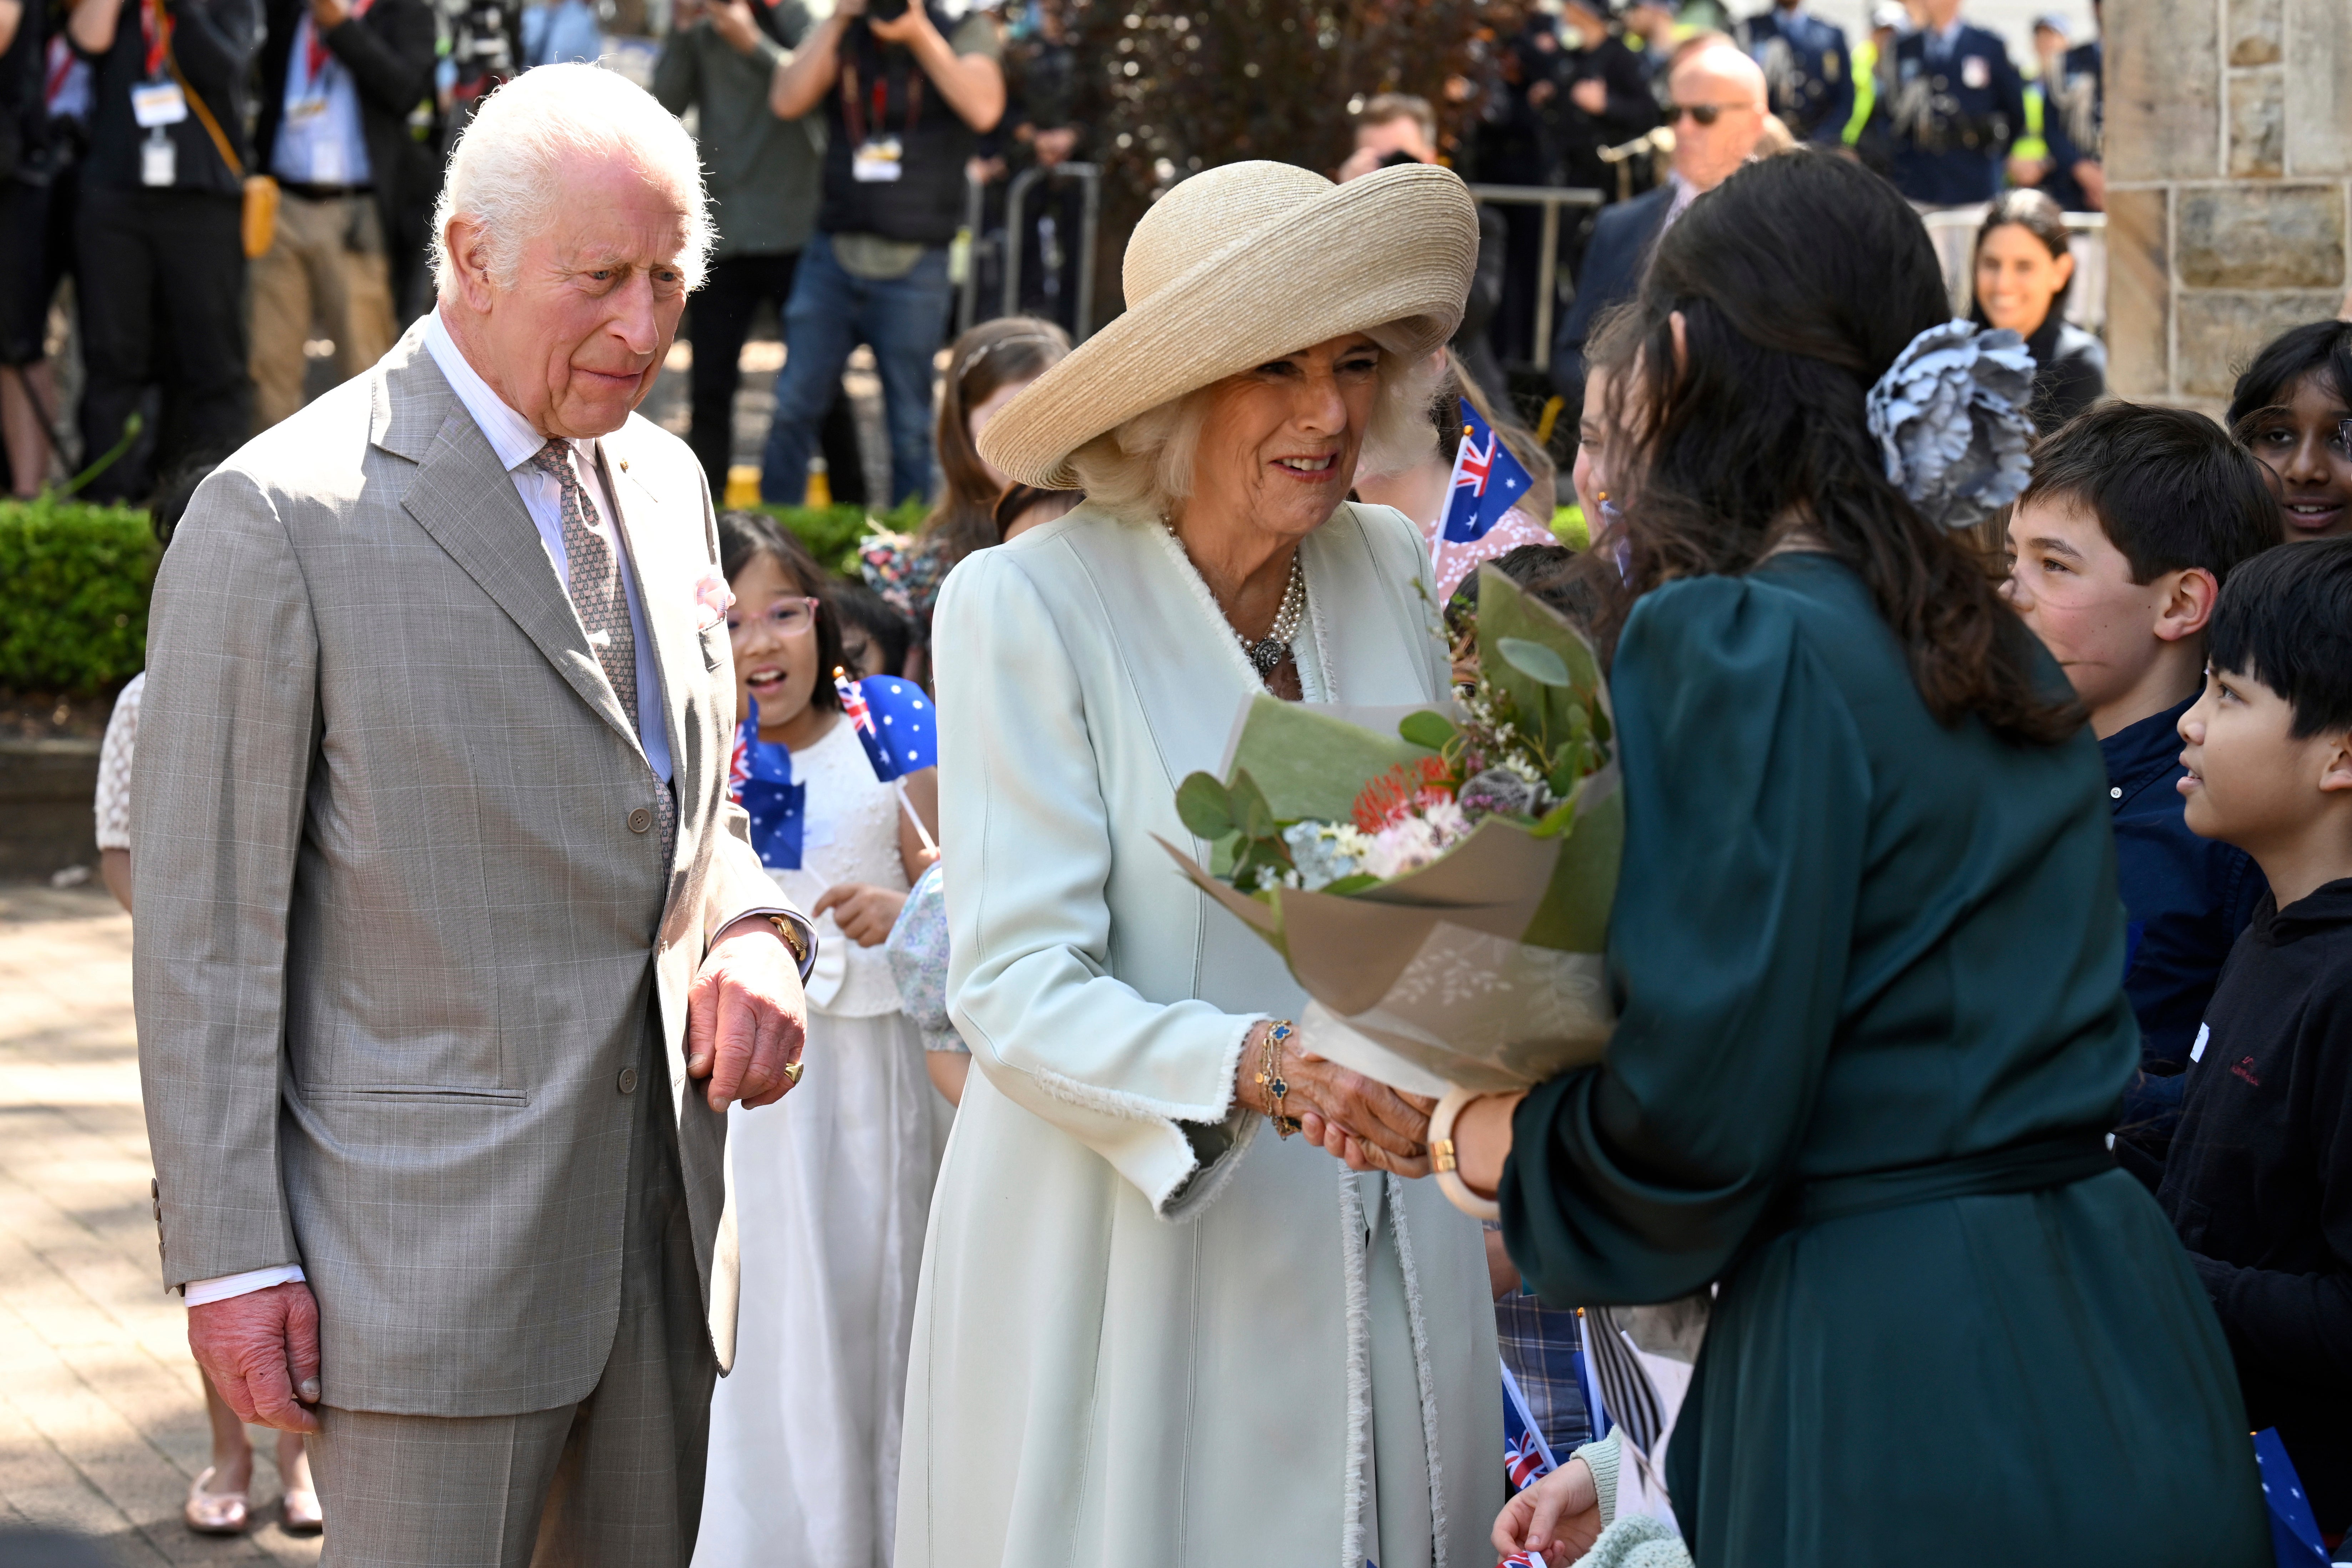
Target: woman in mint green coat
1869, 955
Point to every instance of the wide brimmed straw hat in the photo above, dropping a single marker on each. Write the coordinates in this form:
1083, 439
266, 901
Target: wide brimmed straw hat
1241, 265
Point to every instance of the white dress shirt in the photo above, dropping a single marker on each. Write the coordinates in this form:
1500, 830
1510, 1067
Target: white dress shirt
513, 439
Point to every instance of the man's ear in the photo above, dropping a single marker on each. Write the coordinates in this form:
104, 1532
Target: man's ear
2188, 602
2335, 769
469, 253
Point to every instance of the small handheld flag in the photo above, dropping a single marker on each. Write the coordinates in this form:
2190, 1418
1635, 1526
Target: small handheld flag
896, 722
759, 777
1488, 482
1525, 1455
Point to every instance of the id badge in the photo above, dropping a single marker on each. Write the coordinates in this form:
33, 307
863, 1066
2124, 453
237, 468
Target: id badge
877, 162
157, 104
1975, 73
159, 160
306, 109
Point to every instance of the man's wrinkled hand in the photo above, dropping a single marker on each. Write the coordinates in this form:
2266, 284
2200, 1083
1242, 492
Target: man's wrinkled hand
261, 1352
746, 1019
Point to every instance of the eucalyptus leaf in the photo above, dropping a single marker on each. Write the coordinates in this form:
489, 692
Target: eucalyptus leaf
1251, 814
1206, 807
1536, 661
1435, 731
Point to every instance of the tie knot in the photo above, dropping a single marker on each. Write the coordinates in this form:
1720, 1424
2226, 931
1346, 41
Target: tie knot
554, 459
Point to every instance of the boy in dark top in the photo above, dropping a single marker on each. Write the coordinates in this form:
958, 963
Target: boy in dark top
2259, 1182
2135, 518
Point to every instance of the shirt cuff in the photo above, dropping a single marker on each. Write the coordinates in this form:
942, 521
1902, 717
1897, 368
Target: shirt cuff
201, 1293
800, 920
768, 49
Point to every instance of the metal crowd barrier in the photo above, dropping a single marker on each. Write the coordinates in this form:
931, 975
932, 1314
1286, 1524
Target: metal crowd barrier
1015, 232
1551, 199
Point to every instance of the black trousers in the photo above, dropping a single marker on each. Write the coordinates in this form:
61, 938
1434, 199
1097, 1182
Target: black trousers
723, 309
161, 281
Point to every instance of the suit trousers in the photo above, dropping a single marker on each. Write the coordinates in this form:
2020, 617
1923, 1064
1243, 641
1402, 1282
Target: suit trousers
614, 1481
325, 263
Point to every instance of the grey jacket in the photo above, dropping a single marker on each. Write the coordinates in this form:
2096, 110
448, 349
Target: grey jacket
400, 927
764, 170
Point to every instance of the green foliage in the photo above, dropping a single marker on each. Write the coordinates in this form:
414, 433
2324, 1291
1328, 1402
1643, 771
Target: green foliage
1216, 811
73, 613
1568, 526
834, 533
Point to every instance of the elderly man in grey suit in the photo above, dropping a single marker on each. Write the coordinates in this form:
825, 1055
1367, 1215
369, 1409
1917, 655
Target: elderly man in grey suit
452, 951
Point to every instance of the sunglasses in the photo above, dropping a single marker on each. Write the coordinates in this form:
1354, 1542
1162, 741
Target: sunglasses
1704, 114
786, 618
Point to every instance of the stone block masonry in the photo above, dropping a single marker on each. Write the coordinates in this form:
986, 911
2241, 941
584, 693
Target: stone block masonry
2229, 158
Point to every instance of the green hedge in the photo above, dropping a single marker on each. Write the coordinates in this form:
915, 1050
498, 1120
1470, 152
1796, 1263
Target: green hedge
73, 594
74, 581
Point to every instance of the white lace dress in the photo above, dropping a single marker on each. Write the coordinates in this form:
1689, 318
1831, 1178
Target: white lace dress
832, 1188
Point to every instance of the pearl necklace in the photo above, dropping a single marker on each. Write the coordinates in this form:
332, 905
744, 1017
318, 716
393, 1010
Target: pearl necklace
1267, 653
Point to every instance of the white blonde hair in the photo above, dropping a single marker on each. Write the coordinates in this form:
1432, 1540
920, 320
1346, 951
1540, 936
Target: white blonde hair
506, 173
1141, 468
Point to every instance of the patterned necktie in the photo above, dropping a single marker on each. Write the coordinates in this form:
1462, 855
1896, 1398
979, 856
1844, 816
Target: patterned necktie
594, 583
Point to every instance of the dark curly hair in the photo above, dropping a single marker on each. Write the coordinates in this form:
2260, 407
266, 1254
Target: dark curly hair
1799, 280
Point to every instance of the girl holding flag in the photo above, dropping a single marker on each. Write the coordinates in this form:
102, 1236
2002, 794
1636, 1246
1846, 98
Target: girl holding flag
834, 1193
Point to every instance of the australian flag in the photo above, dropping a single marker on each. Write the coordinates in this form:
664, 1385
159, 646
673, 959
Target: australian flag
759, 777
1488, 482
895, 722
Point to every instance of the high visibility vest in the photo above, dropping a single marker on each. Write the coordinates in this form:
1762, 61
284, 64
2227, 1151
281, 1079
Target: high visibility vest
2031, 144
1866, 87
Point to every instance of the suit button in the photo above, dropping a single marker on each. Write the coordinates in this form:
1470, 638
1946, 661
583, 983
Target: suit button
628, 1080
640, 819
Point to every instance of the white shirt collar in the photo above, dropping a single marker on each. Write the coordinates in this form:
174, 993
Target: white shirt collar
1951, 32
510, 434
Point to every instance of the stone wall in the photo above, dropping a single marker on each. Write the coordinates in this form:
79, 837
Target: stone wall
2229, 159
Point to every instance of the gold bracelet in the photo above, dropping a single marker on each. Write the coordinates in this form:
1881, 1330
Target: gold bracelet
1270, 1078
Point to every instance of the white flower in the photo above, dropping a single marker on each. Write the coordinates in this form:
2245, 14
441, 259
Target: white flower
1949, 417
1324, 852
1412, 842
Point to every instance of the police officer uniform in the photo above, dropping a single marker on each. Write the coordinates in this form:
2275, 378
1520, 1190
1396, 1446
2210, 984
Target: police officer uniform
1807, 69
2073, 116
1958, 105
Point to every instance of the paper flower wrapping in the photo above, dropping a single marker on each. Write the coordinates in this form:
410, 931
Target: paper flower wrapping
1949, 417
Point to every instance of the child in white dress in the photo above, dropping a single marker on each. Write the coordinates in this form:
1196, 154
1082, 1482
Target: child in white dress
832, 1187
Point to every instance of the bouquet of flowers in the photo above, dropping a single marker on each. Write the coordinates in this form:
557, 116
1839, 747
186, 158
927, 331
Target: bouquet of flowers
1437, 878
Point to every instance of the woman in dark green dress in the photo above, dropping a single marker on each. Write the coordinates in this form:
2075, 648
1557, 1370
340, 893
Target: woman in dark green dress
1869, 954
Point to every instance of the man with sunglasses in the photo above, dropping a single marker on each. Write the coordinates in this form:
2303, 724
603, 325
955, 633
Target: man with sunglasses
1717, 101
1958, 103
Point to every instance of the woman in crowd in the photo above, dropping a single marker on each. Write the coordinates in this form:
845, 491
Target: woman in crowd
1152, 1332
2290, 409
833, 1189
1868, 957
2023, 268
1420, 489
988, 367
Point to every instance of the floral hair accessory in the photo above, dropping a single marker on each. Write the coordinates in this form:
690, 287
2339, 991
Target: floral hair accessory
1949, 415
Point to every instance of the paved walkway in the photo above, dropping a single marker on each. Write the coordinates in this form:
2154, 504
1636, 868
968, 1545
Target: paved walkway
101, 1413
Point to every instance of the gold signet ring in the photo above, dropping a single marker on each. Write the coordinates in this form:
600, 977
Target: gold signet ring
792, 1071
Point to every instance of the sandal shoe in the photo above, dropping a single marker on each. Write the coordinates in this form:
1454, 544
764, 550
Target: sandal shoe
215, 1513
301, 1511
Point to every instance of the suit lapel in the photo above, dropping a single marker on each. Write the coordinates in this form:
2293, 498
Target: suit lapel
466, 502
665, 599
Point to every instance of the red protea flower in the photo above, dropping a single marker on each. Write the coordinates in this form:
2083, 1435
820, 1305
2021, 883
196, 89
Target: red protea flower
1399, 792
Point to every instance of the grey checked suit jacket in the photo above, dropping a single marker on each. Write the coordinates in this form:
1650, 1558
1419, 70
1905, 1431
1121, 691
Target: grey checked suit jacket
396, 939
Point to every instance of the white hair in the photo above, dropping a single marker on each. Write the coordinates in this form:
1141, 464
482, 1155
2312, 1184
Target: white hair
1141, 468
506, 173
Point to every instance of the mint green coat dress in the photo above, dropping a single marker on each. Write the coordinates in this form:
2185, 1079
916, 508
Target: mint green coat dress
1872, 1029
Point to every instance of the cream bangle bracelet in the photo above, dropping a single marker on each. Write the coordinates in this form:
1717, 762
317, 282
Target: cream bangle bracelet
1446, 1167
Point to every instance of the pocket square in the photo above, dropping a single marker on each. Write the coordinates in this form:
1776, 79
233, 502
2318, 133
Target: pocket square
713, 598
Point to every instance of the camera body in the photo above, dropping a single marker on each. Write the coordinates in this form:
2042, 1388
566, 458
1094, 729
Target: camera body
885, 10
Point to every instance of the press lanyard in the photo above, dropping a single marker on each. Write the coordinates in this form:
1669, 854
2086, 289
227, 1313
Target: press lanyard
155, 27
854, 114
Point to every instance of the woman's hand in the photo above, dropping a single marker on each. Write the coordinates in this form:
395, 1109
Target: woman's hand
1370, 1125
864, 913
1557, 1518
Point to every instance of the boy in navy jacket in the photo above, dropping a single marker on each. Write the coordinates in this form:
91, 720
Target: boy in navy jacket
2259, 1180
2135, 518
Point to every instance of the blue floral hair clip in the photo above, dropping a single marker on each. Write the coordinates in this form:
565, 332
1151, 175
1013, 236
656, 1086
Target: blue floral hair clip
1949, 417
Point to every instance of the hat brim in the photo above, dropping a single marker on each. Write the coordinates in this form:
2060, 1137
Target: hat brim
1390, 255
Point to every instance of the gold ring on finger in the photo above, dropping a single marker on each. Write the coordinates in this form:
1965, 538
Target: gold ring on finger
793, 1072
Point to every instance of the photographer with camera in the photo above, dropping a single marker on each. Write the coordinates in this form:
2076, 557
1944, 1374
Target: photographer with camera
905, 90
